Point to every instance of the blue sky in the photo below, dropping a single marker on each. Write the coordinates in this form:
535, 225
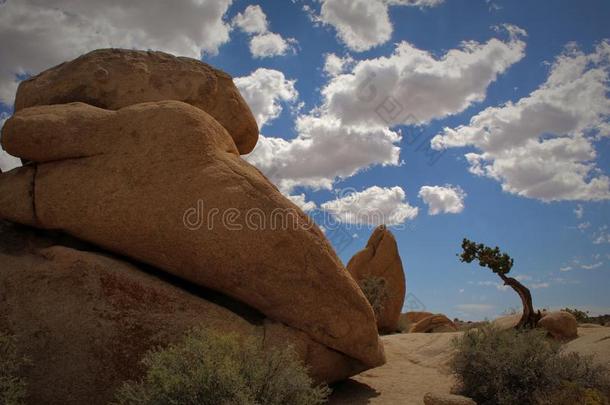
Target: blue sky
555, 227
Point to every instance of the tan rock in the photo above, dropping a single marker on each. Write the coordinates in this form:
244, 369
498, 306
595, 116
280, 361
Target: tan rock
447, 399
416, 316
560, 324
434, 324
163, 183
380, 259
593, 342
117, 78
85, 320
506, 322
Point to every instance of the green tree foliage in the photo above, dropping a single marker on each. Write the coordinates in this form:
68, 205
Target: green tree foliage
501, 264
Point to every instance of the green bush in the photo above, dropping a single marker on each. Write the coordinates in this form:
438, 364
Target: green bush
581, 316
375, 290
210, 368
523, 367
12, 387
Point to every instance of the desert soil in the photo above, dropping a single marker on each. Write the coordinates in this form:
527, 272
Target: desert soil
417, 364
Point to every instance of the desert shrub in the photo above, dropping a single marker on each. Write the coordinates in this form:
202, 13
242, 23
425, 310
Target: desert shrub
523, 367
581, 316
375, 290
215, 369
12, 387
403, 324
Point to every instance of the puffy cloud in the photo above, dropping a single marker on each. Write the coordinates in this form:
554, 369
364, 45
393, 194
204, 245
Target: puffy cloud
443, 199
270, 44
542, 146
264, 90
412, 86
7, 162
334, 65
364, 24
263, 43
252, 21
372, 206
347, 133
579, 211
323, 151
38, 34
299, 200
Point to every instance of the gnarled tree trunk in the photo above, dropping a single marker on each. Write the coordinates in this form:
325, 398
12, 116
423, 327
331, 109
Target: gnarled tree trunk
530, 318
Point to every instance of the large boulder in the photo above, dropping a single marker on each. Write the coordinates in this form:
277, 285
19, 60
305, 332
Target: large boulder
380, 260
85, 319
436, 323
561, 325
117, 78
163, 183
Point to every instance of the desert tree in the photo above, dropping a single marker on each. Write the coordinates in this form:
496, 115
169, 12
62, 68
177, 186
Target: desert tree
501, 264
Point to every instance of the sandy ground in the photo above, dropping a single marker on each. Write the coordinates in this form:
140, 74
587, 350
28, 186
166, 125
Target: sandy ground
417, 364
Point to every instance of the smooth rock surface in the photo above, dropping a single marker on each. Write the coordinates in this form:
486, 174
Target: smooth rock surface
117, 78
163, 183
560, 324
436, 323
85, 319
380, 258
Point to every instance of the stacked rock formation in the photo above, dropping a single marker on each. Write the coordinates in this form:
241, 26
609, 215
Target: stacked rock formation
138, 153
380, 260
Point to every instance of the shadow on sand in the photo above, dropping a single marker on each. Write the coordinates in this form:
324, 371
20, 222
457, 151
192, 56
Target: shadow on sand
352, 392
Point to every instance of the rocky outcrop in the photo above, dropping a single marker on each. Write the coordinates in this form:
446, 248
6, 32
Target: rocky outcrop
436, 323
416, 316
380, 260
85, 319
163, 183
117, 78
560, 324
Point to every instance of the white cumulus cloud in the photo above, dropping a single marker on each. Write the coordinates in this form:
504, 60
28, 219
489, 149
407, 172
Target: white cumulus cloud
270, 44
263, 43
446, 199
323, 151
36, 34
542, 146
334, 65
412, 86
265, 90
7, 162
252, 21
348, 133
299, 200
372, 206
364, 24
